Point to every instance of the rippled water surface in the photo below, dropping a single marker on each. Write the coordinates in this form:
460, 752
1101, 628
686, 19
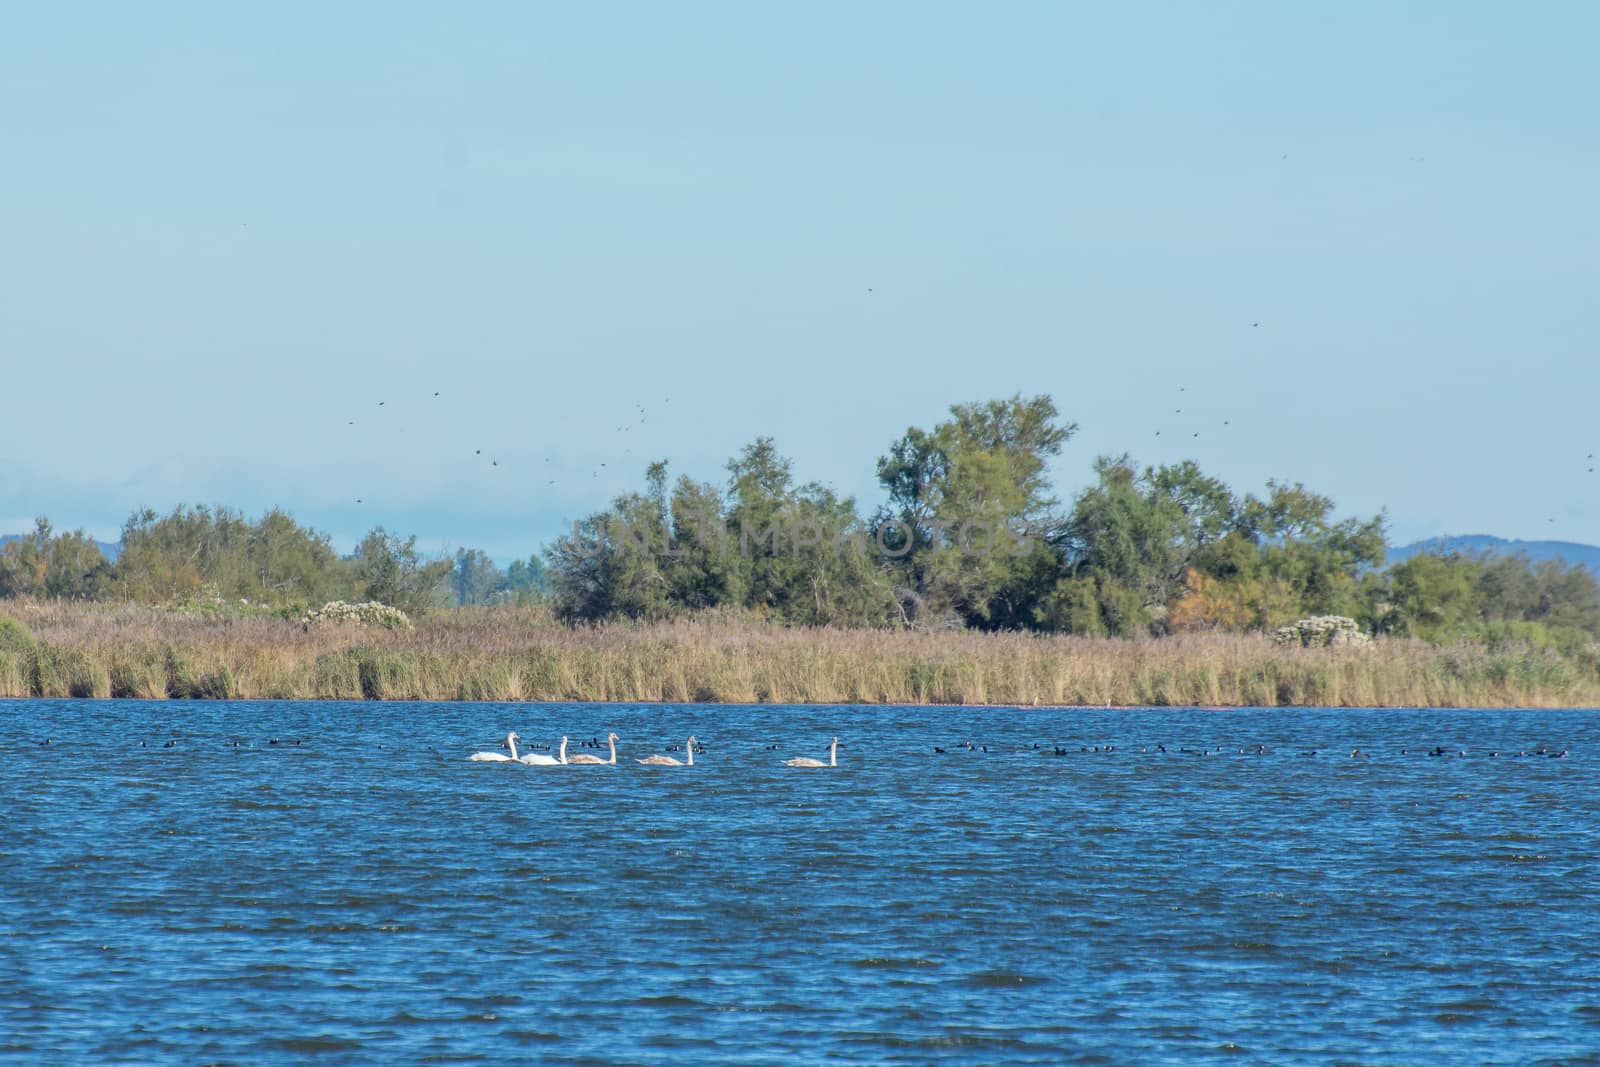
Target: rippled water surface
360, 892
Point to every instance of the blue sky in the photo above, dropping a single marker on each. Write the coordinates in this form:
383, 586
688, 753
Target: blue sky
617, 233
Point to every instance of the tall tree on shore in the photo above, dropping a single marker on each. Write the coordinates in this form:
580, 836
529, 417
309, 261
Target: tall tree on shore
803, 553
272, 560
759, 481
612, 562
289, 563
527, 580
1126, 552
169, 557
702, 565
969, 503
1301, 546
1171, 548
45, 563
390, 570
474, 578
1439, 597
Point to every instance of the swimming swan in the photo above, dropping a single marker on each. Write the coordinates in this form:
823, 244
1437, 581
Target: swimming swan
807, 761
539, 759
668, 761
584, 757
499, 757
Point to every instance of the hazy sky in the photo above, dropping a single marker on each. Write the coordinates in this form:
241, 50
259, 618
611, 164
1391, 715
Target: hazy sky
225, 233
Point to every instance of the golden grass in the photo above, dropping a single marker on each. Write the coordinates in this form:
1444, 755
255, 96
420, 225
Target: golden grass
507, 654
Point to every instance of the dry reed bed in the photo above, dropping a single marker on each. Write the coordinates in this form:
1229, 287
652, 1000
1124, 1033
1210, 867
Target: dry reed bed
516, 655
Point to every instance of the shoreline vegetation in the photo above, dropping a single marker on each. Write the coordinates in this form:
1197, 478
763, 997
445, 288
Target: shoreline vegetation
970, 583
63, 649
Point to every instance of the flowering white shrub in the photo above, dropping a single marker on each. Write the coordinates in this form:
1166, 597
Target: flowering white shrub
369, 612
1323, 630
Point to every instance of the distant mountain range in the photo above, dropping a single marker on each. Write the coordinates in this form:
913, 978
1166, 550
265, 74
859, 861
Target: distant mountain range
1469, 544
1476, 544
109, 549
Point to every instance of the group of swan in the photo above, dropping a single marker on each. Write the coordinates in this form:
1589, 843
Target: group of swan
538, 759
532, 759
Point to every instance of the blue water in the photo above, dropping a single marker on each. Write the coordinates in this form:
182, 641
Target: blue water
368, 895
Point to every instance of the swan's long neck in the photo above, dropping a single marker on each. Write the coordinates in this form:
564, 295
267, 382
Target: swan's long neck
613, 745
690, 747
833, 753
563, 750
511, 741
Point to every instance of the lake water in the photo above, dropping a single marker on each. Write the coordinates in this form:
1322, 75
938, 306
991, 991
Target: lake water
369, 895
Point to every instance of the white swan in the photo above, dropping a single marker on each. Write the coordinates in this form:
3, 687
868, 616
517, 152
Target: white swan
539, 759
807, 761
499, 757
668, 761
584, 757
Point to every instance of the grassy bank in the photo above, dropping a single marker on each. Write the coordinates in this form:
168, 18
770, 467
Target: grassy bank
513, 654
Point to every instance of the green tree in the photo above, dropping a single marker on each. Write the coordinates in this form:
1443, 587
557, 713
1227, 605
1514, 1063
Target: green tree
913, 474
47, 564
970, 506
528, 580
1301, 545
611, 564
474, 578
701, 564
1433, 597
759, 483
1451, 596
827, 572
273, 560
1568, 597
389, 569
1173, 548
804, 554
77, 569
288, 563
1126, 553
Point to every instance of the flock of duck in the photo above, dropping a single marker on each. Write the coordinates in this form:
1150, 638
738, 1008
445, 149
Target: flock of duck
693, 747
580, 759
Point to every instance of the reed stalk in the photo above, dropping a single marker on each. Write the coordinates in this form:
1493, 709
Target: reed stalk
517, 654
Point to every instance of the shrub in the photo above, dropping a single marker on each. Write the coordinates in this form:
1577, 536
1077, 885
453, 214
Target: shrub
46, 673
217, 684
364, 614
336, 676
182, 679
186, 680
1321, 631
65, 672
384, 675
15, 637
138, 676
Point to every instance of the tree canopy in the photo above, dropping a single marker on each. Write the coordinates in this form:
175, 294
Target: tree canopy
969, 533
